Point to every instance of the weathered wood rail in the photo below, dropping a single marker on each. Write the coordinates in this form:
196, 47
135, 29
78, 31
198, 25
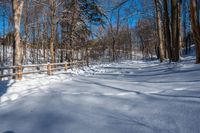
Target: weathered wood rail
17, 71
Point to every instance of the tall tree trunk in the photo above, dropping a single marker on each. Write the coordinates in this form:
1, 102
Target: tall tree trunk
45, 40
167, 28
180, 26
113, 48
184, 27
4, 29
194, 13
17, 11
87, 55
53, 29
25, 30
73, 28
160, 30
129, 50
174, 27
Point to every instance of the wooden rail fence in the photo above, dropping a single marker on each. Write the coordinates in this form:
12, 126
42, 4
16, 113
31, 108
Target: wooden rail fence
17, 71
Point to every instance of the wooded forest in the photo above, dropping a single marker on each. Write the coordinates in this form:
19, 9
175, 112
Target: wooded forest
53, 31
99, 66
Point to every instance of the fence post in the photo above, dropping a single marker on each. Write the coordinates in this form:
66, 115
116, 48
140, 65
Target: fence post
19, 72
1, 74
49, 69
65, 66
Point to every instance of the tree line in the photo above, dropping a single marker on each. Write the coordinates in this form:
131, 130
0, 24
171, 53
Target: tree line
173, 33
42, 31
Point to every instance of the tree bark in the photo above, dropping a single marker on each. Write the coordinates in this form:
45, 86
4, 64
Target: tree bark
167, 28
17, 12
184, 27
180, 26
4, 33
160, 30
175, 31
194, 13
53, 29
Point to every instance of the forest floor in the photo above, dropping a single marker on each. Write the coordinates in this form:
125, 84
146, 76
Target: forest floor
125, 97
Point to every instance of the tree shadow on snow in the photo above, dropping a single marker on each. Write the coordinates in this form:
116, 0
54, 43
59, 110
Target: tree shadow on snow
108, 86
4, 85
8, 132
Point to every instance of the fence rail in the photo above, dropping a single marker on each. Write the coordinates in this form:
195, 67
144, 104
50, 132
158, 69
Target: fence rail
17, 71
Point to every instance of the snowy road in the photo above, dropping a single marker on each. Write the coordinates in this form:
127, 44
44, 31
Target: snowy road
127, 97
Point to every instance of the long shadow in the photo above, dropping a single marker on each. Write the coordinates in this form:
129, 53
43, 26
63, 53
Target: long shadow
8, 132
154, 74
175, 96
155, 68
132, 77
136, 70
171, 81
143, 68
4, 85
150, 95
108, 86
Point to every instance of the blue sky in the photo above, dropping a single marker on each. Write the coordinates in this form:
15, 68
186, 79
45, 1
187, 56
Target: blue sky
2, 17
128, 10
1, 25
130, 5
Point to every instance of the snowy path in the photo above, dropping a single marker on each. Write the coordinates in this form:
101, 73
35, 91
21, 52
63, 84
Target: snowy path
128, 97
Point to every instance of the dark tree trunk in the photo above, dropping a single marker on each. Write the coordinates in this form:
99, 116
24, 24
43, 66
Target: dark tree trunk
194, 13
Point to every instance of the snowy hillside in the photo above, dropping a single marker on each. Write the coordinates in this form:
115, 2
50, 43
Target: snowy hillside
125, 97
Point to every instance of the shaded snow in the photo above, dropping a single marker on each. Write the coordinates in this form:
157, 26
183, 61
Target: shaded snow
125, 97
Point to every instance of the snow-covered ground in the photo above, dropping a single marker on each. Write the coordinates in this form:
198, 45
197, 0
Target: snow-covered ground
125, 97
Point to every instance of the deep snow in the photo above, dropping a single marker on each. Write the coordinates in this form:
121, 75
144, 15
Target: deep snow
125, 97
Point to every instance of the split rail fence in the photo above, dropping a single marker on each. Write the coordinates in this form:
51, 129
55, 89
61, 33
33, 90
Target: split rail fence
18, 71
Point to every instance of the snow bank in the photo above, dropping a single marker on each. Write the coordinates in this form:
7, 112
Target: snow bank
128, 97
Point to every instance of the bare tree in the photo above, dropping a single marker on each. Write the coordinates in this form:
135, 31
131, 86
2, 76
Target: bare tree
17, 12
180, 32
53, 28
167, 29
160, 30
194, 13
